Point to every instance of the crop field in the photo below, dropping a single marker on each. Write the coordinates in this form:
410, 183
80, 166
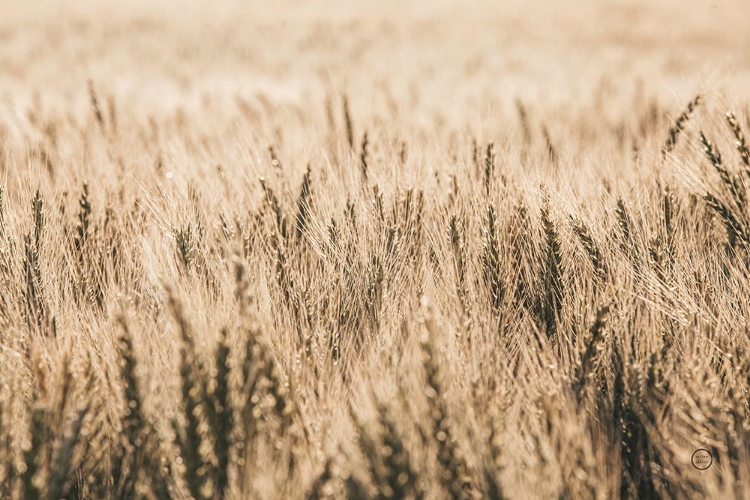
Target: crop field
374, 250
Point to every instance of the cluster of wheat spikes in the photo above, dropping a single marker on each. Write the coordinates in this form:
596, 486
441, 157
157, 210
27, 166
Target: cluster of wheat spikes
321, 331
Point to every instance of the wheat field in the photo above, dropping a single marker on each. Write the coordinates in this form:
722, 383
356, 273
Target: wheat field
374, 250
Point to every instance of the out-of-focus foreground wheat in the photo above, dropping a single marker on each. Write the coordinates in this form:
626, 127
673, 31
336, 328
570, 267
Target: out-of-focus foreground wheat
345, 250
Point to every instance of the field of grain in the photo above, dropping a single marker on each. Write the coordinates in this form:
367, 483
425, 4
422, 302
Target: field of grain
374, 250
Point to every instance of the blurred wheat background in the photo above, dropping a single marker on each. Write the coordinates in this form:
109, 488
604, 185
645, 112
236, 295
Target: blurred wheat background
374, 250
